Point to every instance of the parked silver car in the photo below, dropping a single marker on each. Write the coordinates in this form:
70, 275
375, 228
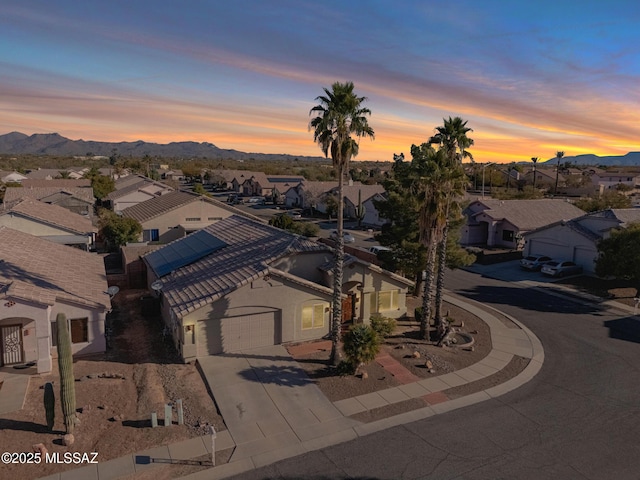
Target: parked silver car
561, 268
348, 238
534, 262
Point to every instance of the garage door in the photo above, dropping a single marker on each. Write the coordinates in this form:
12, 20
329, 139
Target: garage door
237, 333
553, 250
585, 257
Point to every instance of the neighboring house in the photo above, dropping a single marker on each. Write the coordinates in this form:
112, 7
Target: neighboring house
38, 280
176, 214
307, 194
611, 180
132, 190
544, 178
366, 194
577, 239
502, 223
172, 175
12, 177
239, 284
50, 222
57, 182
54, 173
78, 200
263, 185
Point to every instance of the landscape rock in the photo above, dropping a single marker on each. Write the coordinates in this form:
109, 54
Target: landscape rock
416, 354
364, 375
40, 448
68, 440
428, 364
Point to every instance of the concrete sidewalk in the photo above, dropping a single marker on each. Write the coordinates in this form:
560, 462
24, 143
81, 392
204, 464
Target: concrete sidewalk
13, 391
273, 411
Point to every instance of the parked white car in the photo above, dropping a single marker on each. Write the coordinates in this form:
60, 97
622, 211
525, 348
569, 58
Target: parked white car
379, 248
561, 268
534, 262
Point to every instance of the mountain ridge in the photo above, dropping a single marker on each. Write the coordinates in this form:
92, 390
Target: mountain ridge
18, 143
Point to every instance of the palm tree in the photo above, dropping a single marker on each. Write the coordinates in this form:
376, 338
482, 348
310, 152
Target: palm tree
535, 161
559, 155
453, 140
338, 116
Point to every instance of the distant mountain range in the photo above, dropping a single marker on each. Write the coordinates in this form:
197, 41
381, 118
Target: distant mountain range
17, 143
630, 159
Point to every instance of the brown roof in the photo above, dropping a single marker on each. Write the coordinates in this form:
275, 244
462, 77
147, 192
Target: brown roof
53, 215
44, 173
530, 214
367, 191
18, 193
141, 183
58, 182
44, 272
248, 248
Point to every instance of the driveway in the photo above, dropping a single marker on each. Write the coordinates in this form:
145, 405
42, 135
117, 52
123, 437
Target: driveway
268, 401
509, 272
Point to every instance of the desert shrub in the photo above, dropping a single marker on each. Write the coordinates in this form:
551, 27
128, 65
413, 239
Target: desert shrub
383, 326
417, 314
361, 345
345, 367
308, 229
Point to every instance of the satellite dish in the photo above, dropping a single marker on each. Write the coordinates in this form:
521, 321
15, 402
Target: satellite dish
113, 290
157, 285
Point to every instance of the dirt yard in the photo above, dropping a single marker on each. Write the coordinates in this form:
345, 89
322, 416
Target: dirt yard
619, 290
115, 395
401, 346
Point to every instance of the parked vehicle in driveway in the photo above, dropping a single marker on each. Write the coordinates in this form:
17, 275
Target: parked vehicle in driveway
378, 248
534, 262
561, 268
348, 238
294, 214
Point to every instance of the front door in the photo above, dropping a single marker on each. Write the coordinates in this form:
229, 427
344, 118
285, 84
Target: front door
11, 344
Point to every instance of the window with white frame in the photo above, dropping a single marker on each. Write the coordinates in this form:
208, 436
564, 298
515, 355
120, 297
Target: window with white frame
313, 316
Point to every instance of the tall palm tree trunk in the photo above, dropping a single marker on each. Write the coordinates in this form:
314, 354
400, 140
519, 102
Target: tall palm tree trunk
336, 322
442, 263
427, 292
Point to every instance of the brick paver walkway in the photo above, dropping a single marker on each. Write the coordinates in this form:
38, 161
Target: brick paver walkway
395, 368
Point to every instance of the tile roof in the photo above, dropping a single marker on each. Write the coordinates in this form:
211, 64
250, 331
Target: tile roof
44, 173
157, 206
44, 272
530, 214
57, 182
142, 184
626, 215
18, 193
351, 192
251, 246
53, 215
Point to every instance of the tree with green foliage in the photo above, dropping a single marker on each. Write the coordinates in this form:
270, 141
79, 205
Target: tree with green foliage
620, 255
339, 115
361, 345
199, 189
609, 199
117, 230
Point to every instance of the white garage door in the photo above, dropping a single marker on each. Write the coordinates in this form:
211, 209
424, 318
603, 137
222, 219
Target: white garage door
237, 333
585, 258
553, 250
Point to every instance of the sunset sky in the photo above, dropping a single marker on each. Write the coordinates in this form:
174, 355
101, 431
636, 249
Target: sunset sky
530, 77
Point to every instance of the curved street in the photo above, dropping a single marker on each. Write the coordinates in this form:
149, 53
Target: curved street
577, 419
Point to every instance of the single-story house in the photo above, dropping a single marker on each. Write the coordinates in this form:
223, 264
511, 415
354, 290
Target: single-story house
176, 214
78, 200
50, 222
12, 177
502, 223
134, 189
239, 284
577, 239
38, 280
307, 194
365, 194
263, 185
57, 182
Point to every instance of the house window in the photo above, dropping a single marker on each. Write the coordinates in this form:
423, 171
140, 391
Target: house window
193, 219
384, 301
507, 235
152, 235
313, 316
79, 330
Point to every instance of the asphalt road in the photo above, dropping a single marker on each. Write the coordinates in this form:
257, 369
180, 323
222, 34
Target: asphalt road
577, 419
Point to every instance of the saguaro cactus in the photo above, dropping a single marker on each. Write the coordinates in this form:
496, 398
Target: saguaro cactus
361, 210
67, 380
49, 404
